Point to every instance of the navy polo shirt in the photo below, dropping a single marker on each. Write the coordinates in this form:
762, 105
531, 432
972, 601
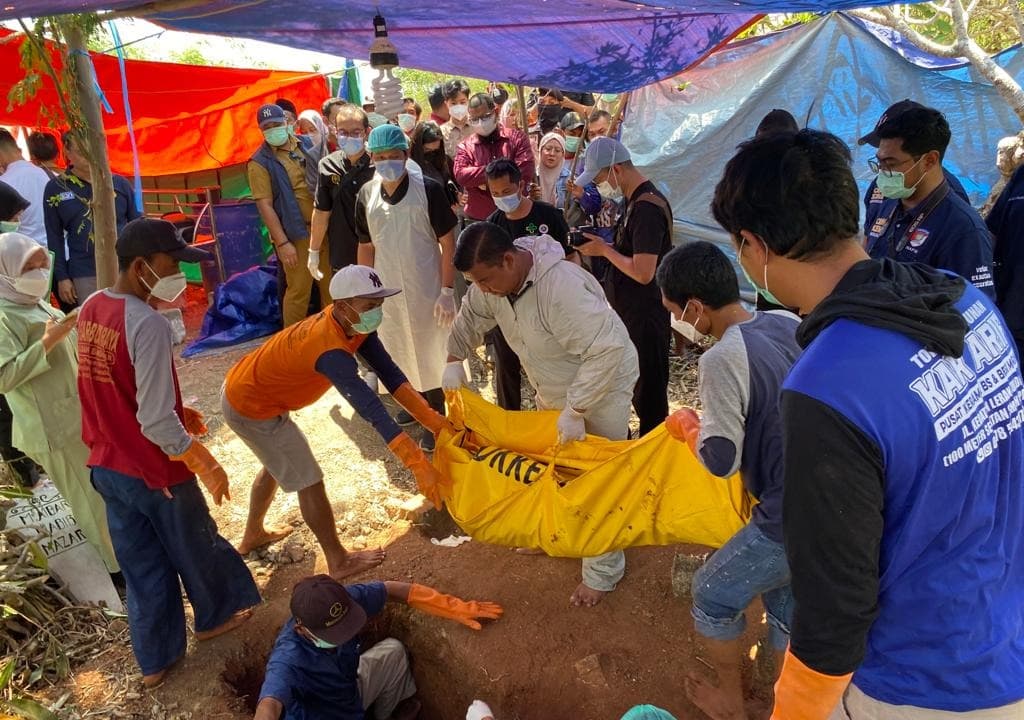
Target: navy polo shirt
315, 684
1006, 221
952, 237
873, 199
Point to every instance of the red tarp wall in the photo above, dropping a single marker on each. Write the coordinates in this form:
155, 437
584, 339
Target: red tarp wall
187, 118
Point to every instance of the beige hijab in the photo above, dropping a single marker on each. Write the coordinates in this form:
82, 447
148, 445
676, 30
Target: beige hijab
549, 176
15, 251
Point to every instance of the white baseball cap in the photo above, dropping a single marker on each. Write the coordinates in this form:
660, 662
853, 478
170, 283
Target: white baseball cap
355, 281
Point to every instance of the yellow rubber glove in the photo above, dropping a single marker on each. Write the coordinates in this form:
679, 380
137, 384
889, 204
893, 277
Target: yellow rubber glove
199, 460
417, 406
430, 482
805, 694
467, 613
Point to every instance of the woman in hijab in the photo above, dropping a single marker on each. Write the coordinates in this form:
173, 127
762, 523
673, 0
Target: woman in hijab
311, 124
39, 376
551, 168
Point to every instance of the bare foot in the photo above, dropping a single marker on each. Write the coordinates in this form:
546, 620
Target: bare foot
586, 596
408, 709
263, 537
354, 563
716, 704
155, 680
227, 626
529, 551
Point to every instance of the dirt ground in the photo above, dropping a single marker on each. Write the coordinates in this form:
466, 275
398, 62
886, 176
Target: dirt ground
542, 660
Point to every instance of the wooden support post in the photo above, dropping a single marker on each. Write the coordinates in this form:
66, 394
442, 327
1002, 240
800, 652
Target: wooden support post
104, 219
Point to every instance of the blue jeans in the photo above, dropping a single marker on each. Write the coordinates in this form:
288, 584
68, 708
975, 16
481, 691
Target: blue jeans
158, 540
748, 565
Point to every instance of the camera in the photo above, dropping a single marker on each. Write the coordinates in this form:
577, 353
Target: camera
576, 235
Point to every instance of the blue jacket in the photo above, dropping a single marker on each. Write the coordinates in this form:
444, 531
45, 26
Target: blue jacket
285, 204
904, 491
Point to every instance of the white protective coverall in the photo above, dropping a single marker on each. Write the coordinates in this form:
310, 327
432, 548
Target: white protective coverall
574, 348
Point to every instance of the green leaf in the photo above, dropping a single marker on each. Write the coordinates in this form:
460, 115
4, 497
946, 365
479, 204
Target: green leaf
6, 674
30, 709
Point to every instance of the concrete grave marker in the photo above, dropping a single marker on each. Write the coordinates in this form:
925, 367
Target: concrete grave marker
70, 557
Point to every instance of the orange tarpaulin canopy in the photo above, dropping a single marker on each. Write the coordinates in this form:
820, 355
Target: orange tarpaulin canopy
187, 118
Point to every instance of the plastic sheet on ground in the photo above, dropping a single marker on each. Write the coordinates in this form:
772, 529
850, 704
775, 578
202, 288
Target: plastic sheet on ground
244, 308
512, 487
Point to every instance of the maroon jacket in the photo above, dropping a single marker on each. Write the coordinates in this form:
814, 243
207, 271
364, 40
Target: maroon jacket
472, 157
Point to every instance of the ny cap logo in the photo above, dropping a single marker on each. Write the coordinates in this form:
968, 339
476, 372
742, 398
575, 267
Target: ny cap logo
266, 112
375, 279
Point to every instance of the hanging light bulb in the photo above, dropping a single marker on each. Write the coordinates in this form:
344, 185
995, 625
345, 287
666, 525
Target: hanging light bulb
387, 89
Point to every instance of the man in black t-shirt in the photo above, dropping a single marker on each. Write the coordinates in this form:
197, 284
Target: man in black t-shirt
341, 174
519, 216
643, 234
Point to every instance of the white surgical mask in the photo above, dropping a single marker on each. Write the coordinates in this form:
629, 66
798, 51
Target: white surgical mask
390, 170
34, 283
166, 288
486, 126
350, 145
606, 189
459, 112
407, 122
687, 329
507, 203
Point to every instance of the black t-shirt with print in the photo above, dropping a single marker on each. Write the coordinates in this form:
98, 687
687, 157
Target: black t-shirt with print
543, 219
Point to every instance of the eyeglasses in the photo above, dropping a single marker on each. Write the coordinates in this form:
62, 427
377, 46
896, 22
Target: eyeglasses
480, 120
877, 169
355, 134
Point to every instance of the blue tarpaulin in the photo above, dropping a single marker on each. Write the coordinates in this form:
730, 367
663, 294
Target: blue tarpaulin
833, 74
592, 45
244, 308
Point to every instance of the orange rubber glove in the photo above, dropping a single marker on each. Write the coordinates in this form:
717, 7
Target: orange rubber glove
432, 602
428, 479
199, 460
193, 421
684, 425
416, 405
805, 694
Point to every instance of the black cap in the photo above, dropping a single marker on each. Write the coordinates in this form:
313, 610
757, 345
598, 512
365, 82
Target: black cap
323, 606
893, 111
11, 202
147, 236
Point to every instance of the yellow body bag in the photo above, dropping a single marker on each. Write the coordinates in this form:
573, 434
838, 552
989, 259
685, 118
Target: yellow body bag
512, 486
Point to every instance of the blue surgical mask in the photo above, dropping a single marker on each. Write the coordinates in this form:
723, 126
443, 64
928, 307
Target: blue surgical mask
572, 144
507, 203
763, 292
276, 136
351, 145
390, 170
9, 226
368, 321
893, 185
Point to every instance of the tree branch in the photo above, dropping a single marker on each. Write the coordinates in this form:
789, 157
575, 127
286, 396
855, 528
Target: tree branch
892, 20
47, 65
1001, 80
1018, 18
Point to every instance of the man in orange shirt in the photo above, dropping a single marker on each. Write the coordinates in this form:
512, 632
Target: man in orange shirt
293, 370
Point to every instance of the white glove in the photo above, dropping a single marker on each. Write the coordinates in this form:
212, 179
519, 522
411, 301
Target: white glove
479, 710
313, 264
570, 426
444, 308
454, 376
